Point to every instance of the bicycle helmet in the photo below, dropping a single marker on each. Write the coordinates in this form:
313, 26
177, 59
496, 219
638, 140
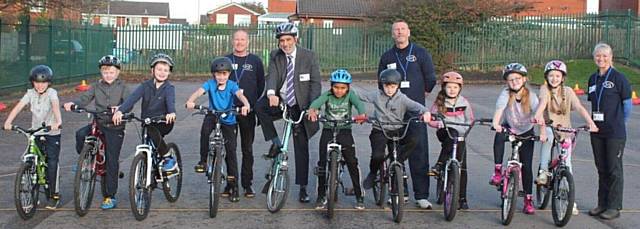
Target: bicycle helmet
513, 67
161, 57
452, 77
555, 65
41, 73
109, 60
390, 76
341, 76
221, 64
286, 28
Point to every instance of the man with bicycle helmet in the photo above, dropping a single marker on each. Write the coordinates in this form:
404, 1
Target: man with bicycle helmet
45, 108
417, 81
107, 94
338, 102
221, 92
294, 77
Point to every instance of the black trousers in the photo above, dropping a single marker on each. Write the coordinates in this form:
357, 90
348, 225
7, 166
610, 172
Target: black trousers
526, 157
345, 139
51, 146
230, 137
114, 138
378, 143
607, 154
266, 116
157, 132
247, 129
461, 155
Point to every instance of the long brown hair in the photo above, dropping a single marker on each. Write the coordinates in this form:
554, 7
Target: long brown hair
442, 96
553, 105
524, 100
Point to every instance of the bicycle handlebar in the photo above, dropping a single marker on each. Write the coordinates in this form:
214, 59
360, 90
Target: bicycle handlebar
29, 132
204, 110
145, 121
414, 119
482, 121
77, 109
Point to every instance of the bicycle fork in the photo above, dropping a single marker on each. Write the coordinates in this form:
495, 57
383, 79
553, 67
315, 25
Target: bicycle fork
146, 150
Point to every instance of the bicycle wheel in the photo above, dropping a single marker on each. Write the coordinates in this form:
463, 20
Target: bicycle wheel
380, 188
26, 190
452, 192
509, 198
333, 183
439, 188
563, 198
215, 184
397, 193
85, 181
278, 189
172, 184
139, 193
542, 195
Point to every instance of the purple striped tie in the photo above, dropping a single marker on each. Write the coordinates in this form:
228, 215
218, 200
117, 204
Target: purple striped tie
291, 96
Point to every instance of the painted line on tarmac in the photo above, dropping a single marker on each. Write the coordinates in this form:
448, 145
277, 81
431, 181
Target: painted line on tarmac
625, 211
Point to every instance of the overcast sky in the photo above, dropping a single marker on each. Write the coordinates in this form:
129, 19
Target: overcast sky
188, 8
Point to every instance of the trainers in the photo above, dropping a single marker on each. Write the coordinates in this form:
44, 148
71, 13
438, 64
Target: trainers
249, 193
226, 192
424, 204
359, 203
528, 205
435, 170
463, 205
610, 214
200, 167
497, 176
109, 203
169, 164
54, 201
543, 176
575, 209
368, 182
321, 202
234, 196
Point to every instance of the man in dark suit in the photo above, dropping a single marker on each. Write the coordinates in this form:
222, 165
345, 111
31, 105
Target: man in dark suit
294, 77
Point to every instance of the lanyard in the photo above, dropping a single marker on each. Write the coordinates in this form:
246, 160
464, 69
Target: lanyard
602, 88
406, 65
235, 71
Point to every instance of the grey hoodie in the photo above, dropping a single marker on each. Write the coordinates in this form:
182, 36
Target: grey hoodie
391, 109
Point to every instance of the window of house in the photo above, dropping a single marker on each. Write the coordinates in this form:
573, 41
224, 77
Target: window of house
104, 20
241, 19
327, 24
153, 21
222, 19
135, 21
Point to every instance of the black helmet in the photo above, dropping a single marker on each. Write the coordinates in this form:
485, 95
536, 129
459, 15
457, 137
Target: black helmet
161, 57
286, 28
221, 64
390, 76
41, 73
109, 60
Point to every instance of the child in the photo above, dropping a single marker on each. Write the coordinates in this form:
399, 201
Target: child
221, 92
517, 105
455, 108
45, 107
556, 103
337, 106
158, 99
390, 105
108, 94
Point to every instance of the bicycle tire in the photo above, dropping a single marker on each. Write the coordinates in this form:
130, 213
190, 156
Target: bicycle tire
84, 181
397, 193
509, 199
562, 214
139, 194
333, 183
379, 188
278, 189
26, 191
439, 188
452, 193
167, 188
215, 185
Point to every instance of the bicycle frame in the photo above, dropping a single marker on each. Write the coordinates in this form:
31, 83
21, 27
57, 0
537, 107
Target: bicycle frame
514, 161
147, 148
281, 159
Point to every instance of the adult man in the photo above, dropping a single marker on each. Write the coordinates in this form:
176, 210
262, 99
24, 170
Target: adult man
294, 77
416, 66
248, 72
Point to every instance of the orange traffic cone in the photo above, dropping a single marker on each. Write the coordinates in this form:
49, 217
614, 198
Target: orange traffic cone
577, 90
634, 99
3, 106
83, 86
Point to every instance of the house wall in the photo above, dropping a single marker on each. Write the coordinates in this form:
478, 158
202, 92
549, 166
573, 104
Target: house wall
556, 7
231, 11
620, 5
282, 6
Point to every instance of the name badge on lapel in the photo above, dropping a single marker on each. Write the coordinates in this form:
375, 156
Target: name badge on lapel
305, 77
592, 89
391, 66
598, 116
405, 84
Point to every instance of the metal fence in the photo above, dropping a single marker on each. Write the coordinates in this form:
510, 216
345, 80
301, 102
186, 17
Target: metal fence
73, 50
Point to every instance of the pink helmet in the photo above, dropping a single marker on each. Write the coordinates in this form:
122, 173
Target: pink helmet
555, 65
452, 77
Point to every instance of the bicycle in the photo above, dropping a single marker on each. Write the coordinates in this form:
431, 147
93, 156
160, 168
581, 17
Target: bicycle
336, 164
511, 175
91, 163
32, 173
560, 186
146, 170
448, 176
392, 171
277, 186
217, 153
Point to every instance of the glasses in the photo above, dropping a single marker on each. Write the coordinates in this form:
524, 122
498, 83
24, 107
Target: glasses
515, 79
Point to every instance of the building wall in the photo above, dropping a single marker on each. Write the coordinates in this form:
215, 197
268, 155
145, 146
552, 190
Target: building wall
555, 7
282, 6
620, 5
230, 12
320, 22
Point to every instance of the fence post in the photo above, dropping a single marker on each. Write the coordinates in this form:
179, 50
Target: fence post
627, 50
50, 54
27, 39
606, 26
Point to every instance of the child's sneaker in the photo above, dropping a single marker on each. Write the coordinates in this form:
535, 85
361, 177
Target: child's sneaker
575, 209
359, 203
200, 167
169, 164
321, 202
435, 170
109, 203
497, 175
54, 201
528, 205
424, 204
463, 205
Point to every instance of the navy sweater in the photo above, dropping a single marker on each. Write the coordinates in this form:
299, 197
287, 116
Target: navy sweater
419, 71
155, 102
249, 75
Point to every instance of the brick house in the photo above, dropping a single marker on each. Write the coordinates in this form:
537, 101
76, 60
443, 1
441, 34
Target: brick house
620, 6
278, 11
121, 13
232, 14
330, 13
555, 7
